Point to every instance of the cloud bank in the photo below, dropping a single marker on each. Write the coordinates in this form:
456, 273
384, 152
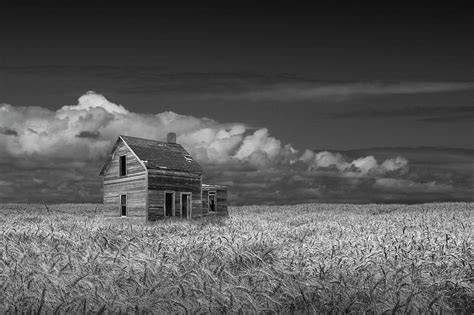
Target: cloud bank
55, 156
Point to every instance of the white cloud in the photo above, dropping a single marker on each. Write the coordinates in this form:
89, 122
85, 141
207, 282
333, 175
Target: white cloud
324, 159
88, 129
364, 166
92, 100
259, 141
395, 164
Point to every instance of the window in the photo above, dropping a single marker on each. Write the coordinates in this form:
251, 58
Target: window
123, 205
123, 165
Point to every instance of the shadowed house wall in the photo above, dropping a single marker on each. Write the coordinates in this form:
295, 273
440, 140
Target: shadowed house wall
160, 182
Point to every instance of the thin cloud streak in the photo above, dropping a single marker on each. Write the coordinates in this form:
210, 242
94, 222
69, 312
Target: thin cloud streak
426, 113
235, 85
301, 92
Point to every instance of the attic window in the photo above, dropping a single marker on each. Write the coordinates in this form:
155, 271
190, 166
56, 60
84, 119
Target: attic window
123, 165
188, 158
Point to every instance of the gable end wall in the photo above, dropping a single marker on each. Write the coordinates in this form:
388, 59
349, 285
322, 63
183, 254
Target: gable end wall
133, 184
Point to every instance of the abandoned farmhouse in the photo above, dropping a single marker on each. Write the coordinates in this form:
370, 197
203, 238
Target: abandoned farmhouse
155, 179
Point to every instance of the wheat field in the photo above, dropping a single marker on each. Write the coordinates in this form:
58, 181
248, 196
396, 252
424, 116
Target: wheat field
313, 258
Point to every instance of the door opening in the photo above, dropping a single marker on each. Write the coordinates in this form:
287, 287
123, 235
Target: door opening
212, 202
169, 204
123, 205
185, 205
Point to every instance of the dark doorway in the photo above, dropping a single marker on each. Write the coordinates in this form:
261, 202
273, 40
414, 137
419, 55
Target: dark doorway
123, 205
212, 201
185, 205
169, 201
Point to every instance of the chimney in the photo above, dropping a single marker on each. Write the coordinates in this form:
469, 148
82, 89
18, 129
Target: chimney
171, 137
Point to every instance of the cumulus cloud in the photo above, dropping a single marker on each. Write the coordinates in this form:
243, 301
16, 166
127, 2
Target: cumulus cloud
56, 155
363, 166
67, 133
396, 164
324, 159
92, 100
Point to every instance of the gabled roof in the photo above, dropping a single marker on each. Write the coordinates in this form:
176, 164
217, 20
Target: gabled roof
160, 155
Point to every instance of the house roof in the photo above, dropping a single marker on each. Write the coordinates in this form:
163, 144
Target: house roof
161, 155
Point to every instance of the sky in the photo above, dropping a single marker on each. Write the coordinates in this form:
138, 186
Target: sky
282, 102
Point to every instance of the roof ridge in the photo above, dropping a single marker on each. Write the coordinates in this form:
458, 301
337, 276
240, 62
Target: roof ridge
151, 140
143, 139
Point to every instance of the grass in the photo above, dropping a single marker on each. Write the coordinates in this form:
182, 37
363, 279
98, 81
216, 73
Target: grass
262, 259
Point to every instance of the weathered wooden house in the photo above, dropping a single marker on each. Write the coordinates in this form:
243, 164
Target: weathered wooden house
155, 179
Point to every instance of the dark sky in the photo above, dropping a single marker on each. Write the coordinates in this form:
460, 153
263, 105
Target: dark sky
332, 41
325, 76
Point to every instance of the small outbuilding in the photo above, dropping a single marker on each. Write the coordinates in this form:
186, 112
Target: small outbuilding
214, 198
154, 179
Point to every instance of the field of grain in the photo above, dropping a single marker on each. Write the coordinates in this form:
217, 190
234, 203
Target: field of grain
261, 259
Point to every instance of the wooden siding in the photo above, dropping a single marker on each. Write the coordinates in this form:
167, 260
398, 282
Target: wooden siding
160, 181
156, 203
133, 184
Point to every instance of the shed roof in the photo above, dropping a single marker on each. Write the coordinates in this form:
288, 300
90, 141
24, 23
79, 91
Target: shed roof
211, 186
161, 155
